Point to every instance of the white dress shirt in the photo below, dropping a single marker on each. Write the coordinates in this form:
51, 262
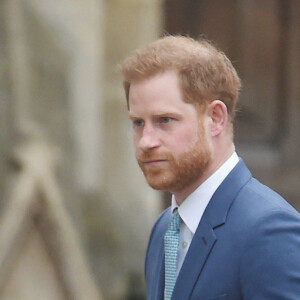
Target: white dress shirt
192, 208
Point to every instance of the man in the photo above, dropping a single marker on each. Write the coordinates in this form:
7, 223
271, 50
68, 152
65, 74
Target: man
225, 236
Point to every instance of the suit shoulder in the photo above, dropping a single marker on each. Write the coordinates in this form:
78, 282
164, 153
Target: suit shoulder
259, 198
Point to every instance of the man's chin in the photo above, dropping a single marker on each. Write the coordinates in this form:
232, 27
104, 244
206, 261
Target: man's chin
160, 185
160, 179
156, 184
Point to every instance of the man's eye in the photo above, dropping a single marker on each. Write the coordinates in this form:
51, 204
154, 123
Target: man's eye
138, 123
165, 119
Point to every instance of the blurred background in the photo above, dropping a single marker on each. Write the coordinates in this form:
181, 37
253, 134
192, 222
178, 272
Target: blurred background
76, 212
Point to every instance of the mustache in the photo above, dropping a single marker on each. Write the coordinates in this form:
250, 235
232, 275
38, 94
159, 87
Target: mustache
150, 156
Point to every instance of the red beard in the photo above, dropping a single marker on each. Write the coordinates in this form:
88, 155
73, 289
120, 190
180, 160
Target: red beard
174, 173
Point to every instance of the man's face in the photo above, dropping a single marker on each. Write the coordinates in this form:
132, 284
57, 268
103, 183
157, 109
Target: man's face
169, 135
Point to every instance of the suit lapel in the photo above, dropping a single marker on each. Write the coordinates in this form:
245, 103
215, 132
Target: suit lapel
155, 259
159, 294
204, 239
197, 255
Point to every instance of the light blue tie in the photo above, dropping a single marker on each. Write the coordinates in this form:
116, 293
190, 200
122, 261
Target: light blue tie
171, 248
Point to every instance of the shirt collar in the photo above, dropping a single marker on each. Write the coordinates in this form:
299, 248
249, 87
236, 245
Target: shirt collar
192, 208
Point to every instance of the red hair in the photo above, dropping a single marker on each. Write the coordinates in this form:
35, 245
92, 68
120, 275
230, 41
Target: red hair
205, 73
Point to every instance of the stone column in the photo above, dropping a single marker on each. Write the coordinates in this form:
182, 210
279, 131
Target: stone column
53, 52
78, 27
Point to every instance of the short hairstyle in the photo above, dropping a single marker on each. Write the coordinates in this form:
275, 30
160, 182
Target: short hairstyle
205, 73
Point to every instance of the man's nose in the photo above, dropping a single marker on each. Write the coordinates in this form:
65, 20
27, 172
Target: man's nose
149, 139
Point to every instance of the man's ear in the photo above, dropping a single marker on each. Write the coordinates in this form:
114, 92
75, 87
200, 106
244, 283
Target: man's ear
217, 111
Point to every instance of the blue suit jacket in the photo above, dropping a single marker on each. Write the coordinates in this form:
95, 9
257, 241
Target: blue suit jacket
246, 247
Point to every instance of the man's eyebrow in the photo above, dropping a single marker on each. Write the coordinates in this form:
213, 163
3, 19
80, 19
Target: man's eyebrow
157, 114
168, 114
133, 116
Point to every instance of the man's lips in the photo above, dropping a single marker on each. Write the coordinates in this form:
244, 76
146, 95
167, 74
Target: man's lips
154, 162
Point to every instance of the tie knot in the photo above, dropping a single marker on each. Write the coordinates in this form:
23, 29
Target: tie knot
175, 221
